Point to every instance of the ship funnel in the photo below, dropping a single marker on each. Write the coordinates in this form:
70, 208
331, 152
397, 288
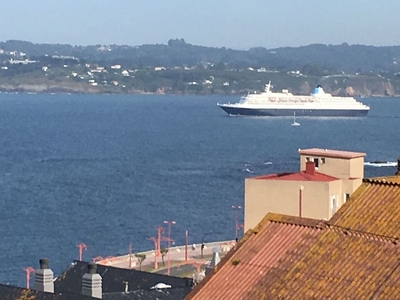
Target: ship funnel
318, 91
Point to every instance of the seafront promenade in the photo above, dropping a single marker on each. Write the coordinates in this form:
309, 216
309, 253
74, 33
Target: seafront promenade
178, 255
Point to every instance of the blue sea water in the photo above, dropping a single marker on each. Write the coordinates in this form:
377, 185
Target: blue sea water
106, 170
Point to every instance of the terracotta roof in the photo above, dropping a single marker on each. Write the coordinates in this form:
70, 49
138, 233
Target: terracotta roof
374, 207
299, 176
331, 153
339, 265
288, 258
385, 179
254, 255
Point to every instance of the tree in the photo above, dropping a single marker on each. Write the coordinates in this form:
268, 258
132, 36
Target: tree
163, 251
140, 257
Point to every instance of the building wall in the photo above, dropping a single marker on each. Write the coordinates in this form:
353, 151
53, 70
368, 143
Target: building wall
320, 199
337, 167
357, 167
282, 196
336, 197
350, 185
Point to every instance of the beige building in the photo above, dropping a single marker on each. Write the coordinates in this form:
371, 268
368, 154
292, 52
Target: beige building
326, 180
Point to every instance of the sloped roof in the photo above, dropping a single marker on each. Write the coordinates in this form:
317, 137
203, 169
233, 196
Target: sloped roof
8, 292
113, 279
162, 294
374, 207
295, 259
340, 264
251, 259
331, 153
298, 176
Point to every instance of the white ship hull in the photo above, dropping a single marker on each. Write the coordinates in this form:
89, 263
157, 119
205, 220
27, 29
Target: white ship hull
287, 112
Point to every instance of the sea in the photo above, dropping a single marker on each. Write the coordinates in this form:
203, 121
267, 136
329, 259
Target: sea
106, 170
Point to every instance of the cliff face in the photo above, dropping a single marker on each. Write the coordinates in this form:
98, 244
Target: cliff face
362, 87
367, 90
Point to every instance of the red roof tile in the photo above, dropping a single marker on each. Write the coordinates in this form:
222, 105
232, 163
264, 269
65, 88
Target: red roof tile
374, 207
299, 176
331, 153
254, 255
339, 264
290, 258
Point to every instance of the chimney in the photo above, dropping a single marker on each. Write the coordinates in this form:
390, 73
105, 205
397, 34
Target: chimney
92, 283
44, 277
398, 167
310, 168
214, 261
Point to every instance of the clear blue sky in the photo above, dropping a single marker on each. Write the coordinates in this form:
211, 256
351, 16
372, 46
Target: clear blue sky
220, 23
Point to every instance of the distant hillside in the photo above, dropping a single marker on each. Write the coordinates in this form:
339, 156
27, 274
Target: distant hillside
328, 58
181, 68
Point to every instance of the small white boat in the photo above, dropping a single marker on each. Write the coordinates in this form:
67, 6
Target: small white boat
294, 120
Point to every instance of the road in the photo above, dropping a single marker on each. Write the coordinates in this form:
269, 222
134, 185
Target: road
176, 256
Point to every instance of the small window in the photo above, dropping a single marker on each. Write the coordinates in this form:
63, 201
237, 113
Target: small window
316, 162
307, 159
333, 204
345, 197
322, 160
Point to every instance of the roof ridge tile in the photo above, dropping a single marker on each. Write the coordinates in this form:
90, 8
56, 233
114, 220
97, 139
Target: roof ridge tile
294, 220
363, 234
381, 181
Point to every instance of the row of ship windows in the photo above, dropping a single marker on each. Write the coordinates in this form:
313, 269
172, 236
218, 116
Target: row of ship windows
299, 102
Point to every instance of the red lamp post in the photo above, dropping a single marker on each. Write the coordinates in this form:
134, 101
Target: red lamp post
130, 255
97, 258
160, 230
81, 247
28, 271
186, 244
236, 208
169, 243
194, 262
156, 250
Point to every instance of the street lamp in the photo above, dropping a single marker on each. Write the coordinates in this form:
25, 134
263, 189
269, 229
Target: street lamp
28, 271
160, 230
236, 208
130, 255
156, 250
169, 243
97, 258
81, 247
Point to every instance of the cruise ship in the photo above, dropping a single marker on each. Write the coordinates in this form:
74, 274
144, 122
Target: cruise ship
317, 104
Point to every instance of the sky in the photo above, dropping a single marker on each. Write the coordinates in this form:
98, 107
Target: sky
235, 24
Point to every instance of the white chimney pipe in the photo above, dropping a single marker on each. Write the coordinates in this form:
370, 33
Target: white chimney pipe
92, 283
44, 277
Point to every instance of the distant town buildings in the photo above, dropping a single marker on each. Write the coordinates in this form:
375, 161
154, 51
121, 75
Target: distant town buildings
22, 62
